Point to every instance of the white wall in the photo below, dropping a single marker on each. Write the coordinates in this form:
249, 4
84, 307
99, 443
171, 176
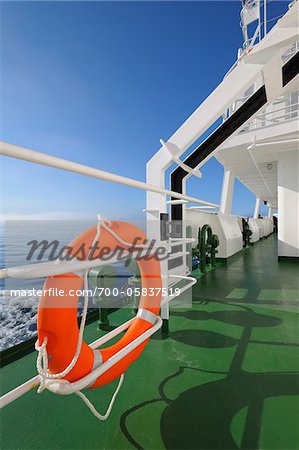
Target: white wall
227, 192
288, 204
224, 225
255, 230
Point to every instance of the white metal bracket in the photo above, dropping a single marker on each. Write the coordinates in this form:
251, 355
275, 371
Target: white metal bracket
174, 151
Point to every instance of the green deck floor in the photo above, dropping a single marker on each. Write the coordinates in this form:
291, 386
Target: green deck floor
227, 377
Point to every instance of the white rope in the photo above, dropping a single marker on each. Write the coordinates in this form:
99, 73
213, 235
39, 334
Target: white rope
109, 409
119, 239
42, 358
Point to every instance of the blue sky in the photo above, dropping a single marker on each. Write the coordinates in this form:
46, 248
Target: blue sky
100, 83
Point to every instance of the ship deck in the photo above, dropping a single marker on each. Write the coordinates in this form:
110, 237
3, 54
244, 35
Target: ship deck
226, 377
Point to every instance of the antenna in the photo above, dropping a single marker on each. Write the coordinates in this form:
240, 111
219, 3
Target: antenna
251, 13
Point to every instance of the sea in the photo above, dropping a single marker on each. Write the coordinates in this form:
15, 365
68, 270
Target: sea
18, 313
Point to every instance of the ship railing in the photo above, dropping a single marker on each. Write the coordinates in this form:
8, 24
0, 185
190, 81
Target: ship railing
55, 267
290, 52
41, 270
238, 102
294, 48
70, 388
45, 159
273, 115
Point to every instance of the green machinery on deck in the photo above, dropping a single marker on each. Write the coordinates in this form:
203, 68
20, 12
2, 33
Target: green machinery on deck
246, 233
206, 248
103, 280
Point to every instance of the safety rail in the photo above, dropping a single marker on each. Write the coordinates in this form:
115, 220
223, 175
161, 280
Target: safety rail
177, 278
287, 55
46, 269
249, 43
202, 207
69, 388
270, 116
52, 268
256, 12
178, 255
290, 52
238, 102
176, 241
45, 159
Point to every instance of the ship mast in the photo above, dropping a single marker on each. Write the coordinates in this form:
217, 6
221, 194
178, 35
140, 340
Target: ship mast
251, 15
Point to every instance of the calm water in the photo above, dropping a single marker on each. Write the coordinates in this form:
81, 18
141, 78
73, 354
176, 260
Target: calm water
18, 314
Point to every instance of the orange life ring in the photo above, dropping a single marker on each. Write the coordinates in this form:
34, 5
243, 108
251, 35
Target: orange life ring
57, 316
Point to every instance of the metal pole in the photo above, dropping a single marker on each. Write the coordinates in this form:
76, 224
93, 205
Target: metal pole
59, 163
259, 21
33, 383
265, 17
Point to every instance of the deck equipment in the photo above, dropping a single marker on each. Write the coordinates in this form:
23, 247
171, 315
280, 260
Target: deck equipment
246, 232
101, 279
207, 245
213, 242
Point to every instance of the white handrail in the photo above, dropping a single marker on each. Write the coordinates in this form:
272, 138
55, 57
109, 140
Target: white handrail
176, 202
201, 207
25, 154
69, 388
23, 388
192, 282
265, 112
263, 144
177, 255
180, 241
283, 108
51, 268
20, 390
254, 126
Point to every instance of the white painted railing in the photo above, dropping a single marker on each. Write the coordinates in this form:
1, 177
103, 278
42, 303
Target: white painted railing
290, 102
281, 111
45, 159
